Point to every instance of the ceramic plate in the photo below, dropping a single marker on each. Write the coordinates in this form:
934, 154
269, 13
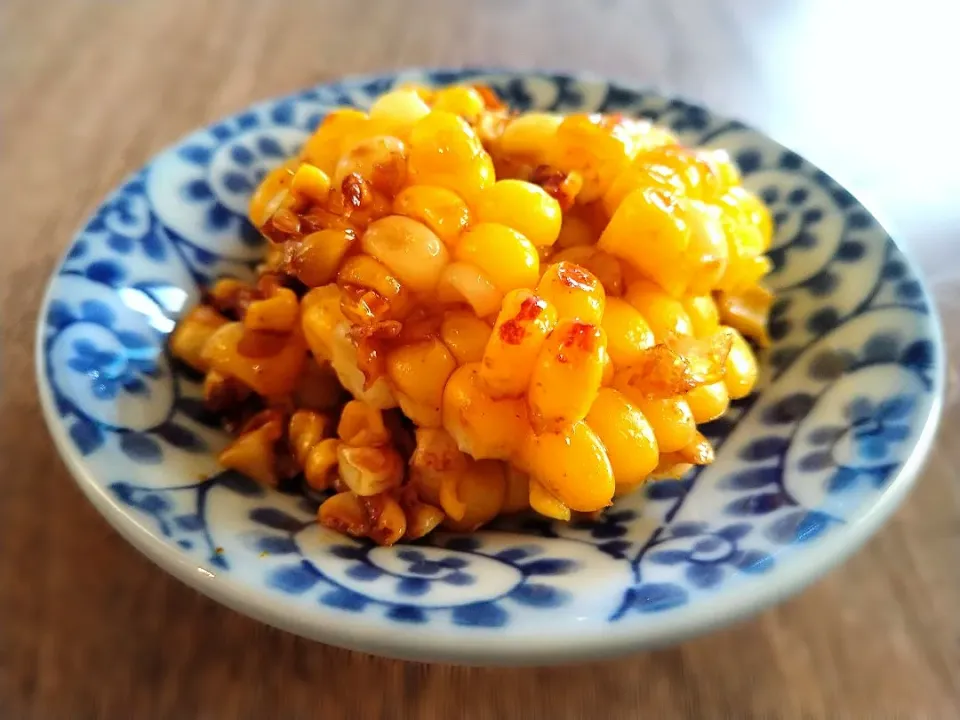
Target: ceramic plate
807, 468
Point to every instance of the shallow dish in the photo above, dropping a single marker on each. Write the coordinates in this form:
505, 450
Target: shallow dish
807, 468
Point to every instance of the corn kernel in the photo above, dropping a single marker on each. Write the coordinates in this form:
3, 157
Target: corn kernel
435, 456
271, 194
440, 209
592, 147
363, 271
388, 523
523, 206
708, 402
517, 498
575, 231
422, 519
409, 249
345, 360
273, 374
306, 429
747, 312
463, 101
380, 160
401, 108
310, 182
362, 425
626, 435
254, 453
278, 313
523, 324
575, 292
664, 314
319, 318
702, 311
480, 489
465, 335
573, 466
324, 148
316, 258
444, 150
640, 174
671, 419
628, 333
483, 427
529, 136
345, 513
419, 372
192, 333
319, 468
505, 256
546, 504
463, 282
369, 470
740, 369
707, 253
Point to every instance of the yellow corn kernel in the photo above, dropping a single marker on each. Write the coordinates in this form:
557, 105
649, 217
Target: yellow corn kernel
459, 100
316, 258
572, 465
463, 282
440, 209
435, 456
708, 402
575, 231
273, 374
594, 148
388, 522
419, 372
740, 370
444, 150
567, 374
192, 333
380, 160
626, 435
271, 194
345, 513
451, 504
707, 254
319, 318
400, 108
698, 451
664, 314
641, 174
748, 209
671, 419
529, 136
543, 502
648, 231
702, 311
277, 313
483, 427
345, 360
524, 322
369, 470
310, 182
321, 463
671, 467
305, 430
409, 249
523, 206
362, 271
517, 498
324, 148
747, 312
362, 425
421, 520
628, 333
504, 256
465, 335
480, 489
254, 453
574, 291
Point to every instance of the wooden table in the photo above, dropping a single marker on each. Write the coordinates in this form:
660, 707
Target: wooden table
92, 88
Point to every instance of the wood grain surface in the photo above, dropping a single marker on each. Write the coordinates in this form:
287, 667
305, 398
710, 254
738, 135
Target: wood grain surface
91, 89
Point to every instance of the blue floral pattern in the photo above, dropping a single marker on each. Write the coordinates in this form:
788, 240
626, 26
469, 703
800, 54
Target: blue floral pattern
850, 388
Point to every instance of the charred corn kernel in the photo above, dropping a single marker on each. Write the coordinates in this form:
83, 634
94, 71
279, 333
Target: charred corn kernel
698, 451
388, 522
222, 393
708, 402
504, 256
567, 374
363, 271
310, 182
483, 427
400, 108
440, 209
324, 148
702, 311
523, 206
381, 161
254, 453
321, 463
671, 419
517, 498
462, 282
529, 136
444, 150
593, 147
319, 317
317, 256
345, 513
362, 425
465, 335
626, 435
271, 194
546, 504
463, 101
664, 314
409, 249
305, 430
192, 333
740, 370
523, 324
273, 374
422, 519
628, 333
318, 388
435, 456
574, 291
418, 372
747, 312
277, 313
345, 360
575, 231
648, 231
369, 470
480, 493
572, 465
707, 253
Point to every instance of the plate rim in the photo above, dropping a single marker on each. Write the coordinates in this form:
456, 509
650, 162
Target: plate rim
752, 594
